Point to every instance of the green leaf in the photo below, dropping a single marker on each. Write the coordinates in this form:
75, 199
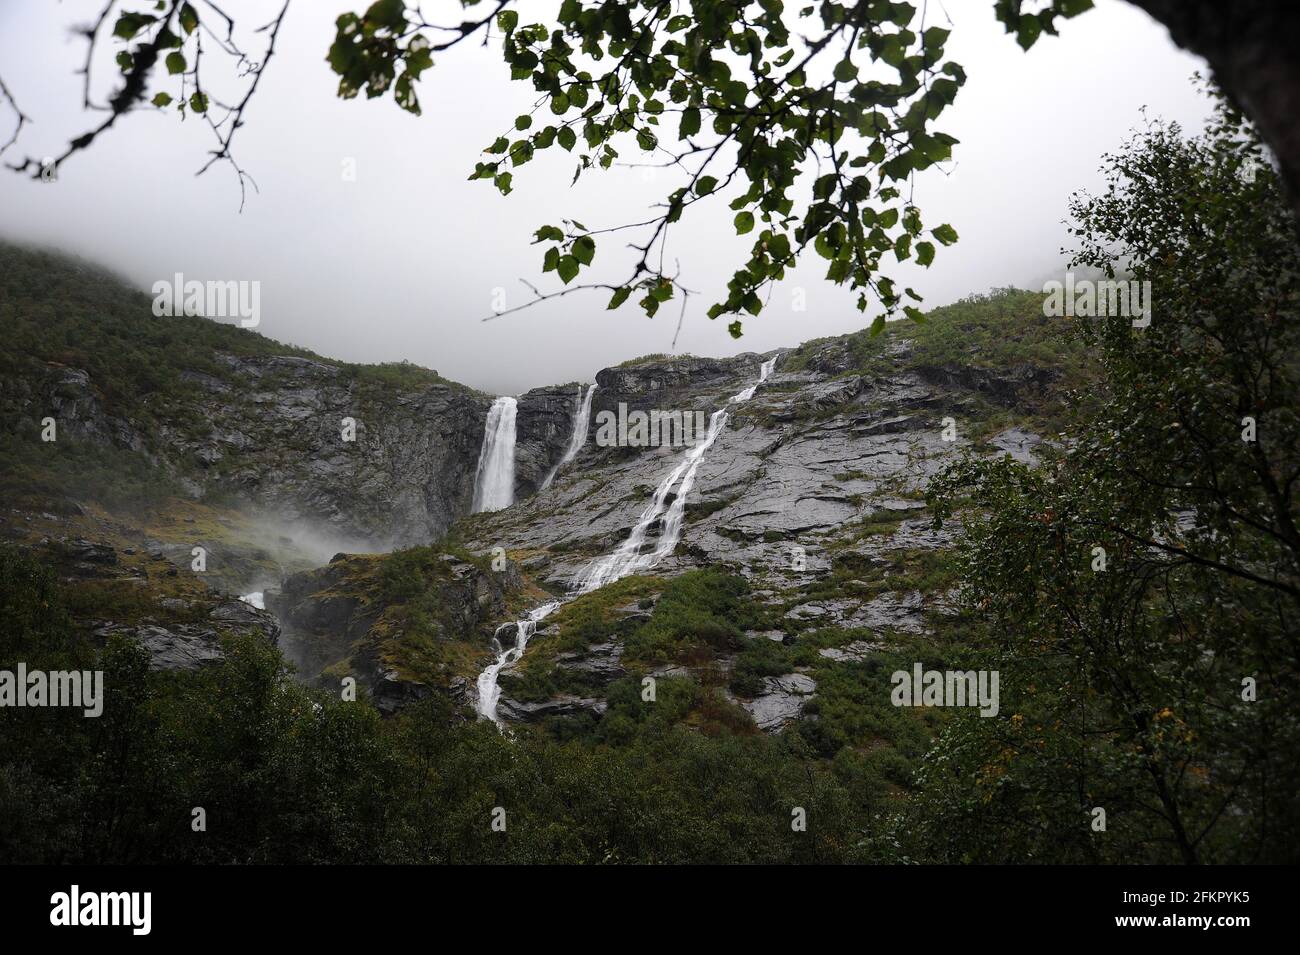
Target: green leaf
523, 122
567, 137
567, 267
945, 234
1030, 28
619, 297
162, 99
404, 94
175, 62
386, 13
189, 19
846, 71
199, 102
705, 185
935, 37
690, 122
584, 249
129, 24
125, 61
735, 329
744, 222
925, 253
551, 259
507, 20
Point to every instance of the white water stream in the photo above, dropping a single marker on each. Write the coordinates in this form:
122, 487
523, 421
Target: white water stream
494, 479
627, 558
581, 422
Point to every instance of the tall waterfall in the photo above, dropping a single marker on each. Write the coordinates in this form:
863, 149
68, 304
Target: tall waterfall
627, 558
494, 479
581, 422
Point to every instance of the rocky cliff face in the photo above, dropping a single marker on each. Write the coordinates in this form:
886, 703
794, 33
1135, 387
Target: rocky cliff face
297, 439
808, 512
305, 443
400, 633
814, 494
542, 429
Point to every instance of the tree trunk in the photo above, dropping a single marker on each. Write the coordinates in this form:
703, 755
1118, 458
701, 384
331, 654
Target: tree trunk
1252, 47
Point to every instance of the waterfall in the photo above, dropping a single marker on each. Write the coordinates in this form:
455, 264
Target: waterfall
627, 558
494, 479
581, 422
488, 691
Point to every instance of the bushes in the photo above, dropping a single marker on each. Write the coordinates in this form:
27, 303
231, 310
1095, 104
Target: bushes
700, 610
288, 774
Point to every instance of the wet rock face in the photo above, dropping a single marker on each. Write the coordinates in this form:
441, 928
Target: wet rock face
407, 475
337, 618
1005, 385
671, 384
781, 701
178, 632
271, 432
564, 705
188, 646
825, 464
543, 425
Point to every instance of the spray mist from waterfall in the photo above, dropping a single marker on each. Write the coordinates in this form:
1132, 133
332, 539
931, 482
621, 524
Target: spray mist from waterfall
627, 558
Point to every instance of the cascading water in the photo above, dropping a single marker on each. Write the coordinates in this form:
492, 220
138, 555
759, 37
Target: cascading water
627, 558
494, 479
488, 691
581, 422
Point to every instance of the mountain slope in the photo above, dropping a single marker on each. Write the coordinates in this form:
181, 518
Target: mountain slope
807, 515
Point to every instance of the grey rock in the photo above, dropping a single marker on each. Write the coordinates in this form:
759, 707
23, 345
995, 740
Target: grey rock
851, 652
601, 660
1018, 443
781, 701
521, 712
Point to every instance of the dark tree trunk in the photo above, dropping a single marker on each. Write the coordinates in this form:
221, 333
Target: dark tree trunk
1252, 46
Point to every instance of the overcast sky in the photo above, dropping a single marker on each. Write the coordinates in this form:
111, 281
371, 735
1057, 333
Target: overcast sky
404, 262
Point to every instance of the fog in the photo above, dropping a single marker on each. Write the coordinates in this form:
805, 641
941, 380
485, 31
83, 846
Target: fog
406, 261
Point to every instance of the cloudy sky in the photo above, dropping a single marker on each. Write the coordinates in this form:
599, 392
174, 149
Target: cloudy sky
405, 261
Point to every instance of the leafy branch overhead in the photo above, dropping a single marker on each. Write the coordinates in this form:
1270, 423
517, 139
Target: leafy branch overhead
739, 100
807, 121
